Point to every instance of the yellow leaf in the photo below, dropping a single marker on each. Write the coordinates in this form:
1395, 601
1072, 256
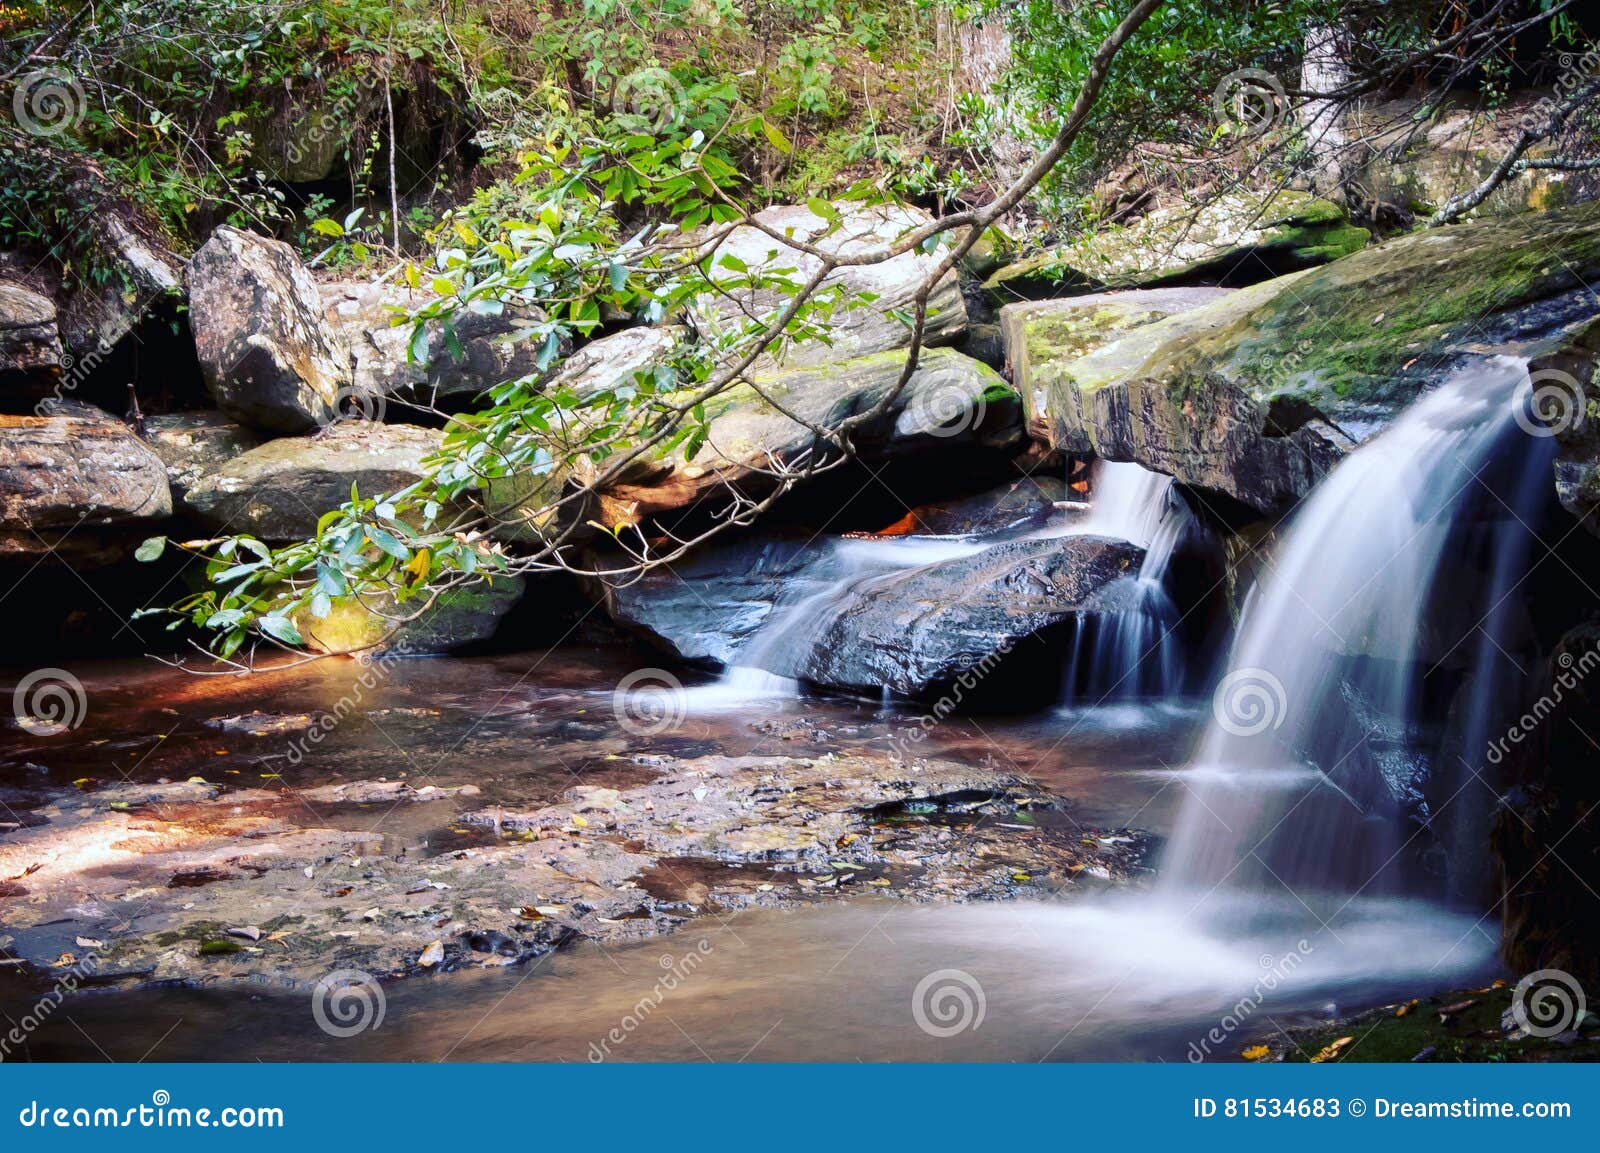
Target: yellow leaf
1330, 1052
1406, 1008
1255, 1052
579, 821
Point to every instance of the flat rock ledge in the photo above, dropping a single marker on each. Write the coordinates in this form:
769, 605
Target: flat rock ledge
190, 883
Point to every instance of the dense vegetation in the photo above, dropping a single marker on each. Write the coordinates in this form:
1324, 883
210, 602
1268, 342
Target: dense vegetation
557, 154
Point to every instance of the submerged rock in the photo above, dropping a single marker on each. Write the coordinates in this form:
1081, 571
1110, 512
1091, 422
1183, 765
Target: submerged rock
267, 352
1237, 236
155, 887
866, 328
1259, 394
278, 491
71, 478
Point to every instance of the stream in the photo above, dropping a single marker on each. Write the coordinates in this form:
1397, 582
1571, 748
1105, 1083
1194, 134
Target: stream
1106, 977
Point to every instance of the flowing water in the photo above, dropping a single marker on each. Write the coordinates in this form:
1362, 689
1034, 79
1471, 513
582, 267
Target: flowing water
1278, 904
1302, 779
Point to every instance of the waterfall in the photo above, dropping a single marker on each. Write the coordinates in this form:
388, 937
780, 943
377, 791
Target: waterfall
796, 624
1305, 779
1131, 653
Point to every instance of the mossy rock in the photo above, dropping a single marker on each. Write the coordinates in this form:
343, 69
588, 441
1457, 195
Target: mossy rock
1258, 394
1235, 237
460, 617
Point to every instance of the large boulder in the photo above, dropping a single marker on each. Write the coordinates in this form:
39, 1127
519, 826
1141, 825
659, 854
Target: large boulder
77, 482
278, 491
266, 350
1257, 395
851, 331
489, 348
192, 444
852, 618
30, 346
1040, 336
1237, 237
950, 402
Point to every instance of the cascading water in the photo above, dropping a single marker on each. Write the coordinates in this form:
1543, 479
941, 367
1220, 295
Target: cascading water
1303, 782
797, 624
1132, 652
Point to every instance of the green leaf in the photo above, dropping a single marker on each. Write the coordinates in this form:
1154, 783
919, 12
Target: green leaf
151, 549
775, 136
281, 628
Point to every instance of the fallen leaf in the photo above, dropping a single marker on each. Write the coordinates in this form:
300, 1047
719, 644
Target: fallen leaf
1407, 1007
1330, 1052
247, 932
432, 955
530, 913
88, 943
1255, 1052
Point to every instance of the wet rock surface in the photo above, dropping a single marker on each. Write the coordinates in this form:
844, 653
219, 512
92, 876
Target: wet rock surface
163, 876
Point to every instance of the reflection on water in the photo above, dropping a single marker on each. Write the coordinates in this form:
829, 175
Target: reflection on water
877, 981
1129, 979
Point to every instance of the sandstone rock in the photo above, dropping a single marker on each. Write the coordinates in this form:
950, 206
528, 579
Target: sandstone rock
1258, 394
192, 444
460, 617
1041, 336
80, 471
29, 342
265, 348
278, 491
1237, 236
951, 401
492, 348
850, 332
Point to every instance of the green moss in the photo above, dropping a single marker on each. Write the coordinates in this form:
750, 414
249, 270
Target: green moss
1473, 1033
